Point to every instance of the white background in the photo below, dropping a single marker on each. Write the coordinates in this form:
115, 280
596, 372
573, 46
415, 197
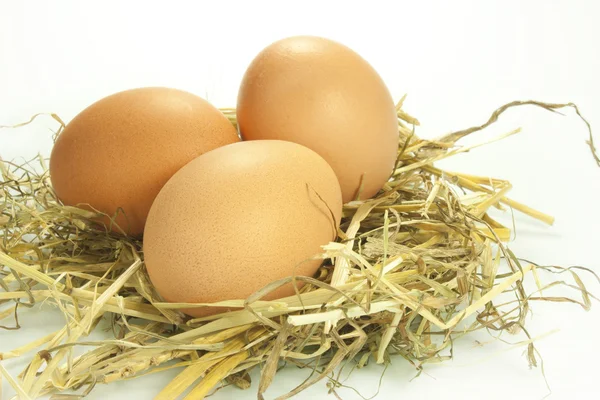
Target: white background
458, 61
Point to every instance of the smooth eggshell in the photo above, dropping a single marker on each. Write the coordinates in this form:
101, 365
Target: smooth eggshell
239, 217
120, 151
321, 94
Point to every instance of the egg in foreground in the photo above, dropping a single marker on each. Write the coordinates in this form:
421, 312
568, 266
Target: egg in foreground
322, 95
237, 218
116, 155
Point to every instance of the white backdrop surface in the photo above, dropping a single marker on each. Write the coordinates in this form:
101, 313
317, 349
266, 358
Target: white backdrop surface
458, 61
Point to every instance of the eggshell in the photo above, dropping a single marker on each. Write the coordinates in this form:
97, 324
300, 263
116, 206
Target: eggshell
239, 217
119, 152
321, 94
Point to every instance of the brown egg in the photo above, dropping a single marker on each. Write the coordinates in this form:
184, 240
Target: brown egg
322, 95
119, 152
239, 217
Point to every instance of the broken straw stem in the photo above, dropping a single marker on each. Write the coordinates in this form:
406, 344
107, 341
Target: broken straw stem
392, 305
462, 181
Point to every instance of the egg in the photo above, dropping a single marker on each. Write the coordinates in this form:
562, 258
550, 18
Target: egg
321, 94
238, 218
117, 154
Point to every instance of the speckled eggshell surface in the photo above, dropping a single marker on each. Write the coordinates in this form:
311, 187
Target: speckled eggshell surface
121, 150
321, 94
239, 217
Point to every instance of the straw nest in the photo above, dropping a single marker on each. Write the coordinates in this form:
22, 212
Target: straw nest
413, 269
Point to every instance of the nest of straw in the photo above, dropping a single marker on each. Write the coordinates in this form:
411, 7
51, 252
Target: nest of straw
415, 268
